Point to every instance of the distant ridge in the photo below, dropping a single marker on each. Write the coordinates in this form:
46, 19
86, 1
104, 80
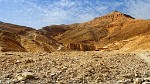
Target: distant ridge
113, 31
24, 39
105, 32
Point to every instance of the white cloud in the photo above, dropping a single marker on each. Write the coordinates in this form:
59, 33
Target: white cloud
74, 11
34, 14
138, 8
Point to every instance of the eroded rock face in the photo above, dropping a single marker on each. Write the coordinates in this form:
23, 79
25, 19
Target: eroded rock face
21, 39
54, 30
106, 32
81, 47
10, 42
111, 28
105, 27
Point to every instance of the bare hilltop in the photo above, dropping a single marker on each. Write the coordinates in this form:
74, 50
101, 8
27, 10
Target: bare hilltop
111, 49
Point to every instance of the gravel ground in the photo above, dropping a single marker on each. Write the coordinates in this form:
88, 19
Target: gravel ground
95, 67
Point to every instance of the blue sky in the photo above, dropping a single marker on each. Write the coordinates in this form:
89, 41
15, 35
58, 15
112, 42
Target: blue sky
40, 13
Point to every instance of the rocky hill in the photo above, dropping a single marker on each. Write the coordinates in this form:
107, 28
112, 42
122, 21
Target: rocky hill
112, 31
21, 38
107, 41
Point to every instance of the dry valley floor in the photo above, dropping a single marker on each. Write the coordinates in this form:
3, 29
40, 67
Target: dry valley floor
95, 67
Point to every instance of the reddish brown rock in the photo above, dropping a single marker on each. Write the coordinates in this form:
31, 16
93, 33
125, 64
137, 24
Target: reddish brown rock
81, 47
110, 29
107, 32
21, 39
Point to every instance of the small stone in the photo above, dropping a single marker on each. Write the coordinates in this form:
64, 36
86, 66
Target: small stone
28, 75
20, 78
49, 61
29, 60
59, 72
138, 81
136, 75
17, 62
24, 76
147, 79
146, 83
65, 67
120, 82
52, 74
127, 81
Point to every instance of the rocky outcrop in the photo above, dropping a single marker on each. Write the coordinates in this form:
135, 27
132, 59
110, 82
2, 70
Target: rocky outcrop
54, 30
109, 29
14, 28
114, 16
10, 42
93, 30
81, 47
21, 39
112, 28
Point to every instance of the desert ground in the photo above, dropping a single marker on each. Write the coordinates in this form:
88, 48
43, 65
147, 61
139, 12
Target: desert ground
76, 67
110, 49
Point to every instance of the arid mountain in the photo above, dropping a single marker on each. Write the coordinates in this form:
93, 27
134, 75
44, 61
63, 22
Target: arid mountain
112, 31
108, 41
10, 42
21, 38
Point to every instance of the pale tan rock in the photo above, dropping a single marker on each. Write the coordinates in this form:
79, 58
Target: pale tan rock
147, 79
20, 78
138, 81
27, 75
24, 76
146, 83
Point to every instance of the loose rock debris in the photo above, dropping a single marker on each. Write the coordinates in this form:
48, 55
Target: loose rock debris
74, 68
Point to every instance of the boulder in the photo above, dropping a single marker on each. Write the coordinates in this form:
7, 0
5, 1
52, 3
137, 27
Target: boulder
138, 81
24, 76
146, 83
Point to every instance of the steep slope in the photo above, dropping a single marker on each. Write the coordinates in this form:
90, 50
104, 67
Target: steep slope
138, 43
129, 29
114, 31
102, 32
10, 42
54, 30
14, 28
29, 39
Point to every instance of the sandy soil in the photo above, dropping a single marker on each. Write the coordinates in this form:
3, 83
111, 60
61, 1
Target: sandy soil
95, 67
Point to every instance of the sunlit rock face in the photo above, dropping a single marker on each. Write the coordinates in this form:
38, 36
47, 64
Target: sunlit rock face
81, 47
25, 39
108, 31
114, 31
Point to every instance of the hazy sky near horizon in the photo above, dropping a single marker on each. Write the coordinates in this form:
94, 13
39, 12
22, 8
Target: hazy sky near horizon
40, 13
